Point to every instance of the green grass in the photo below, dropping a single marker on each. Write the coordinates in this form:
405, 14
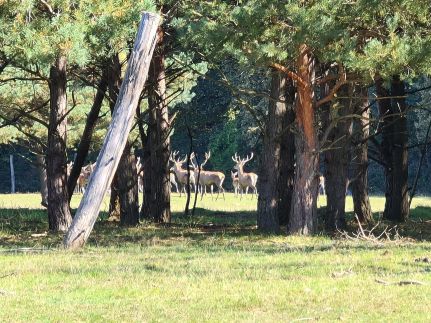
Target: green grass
213, 267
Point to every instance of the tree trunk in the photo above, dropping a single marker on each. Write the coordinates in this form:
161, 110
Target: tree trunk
287, 157
394, 148
303, 213
84, 144
337, 160
267, 206
385, 126
359, 184
41, 166
399, 154
59, 216
124, 188
12, 175
158, 190
116, 138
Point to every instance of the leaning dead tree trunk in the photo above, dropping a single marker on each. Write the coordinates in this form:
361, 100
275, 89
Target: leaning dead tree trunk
359, 163
303, 215
117, 135
59, 216
84, 143
124, 200
267, 205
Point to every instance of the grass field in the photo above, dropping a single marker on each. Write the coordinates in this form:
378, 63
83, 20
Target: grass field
213, 267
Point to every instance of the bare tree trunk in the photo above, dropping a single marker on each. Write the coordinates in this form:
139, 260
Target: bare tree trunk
41, 166
361, 201
12, 174
399, 152
124, 188
116, 138
84, 144
59, 216
303, 215
287, 157
385, 125
394, 149
267, 206
337, 159
160, 202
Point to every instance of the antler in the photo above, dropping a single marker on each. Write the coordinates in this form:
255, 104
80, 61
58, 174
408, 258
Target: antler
173, 156
247, 159
236, 159
191, 160
207, 156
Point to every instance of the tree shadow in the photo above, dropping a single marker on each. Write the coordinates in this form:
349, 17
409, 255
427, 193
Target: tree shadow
28, 228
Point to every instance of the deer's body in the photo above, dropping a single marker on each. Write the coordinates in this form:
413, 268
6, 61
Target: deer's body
208, 178
181, 174
245, 179
173, 180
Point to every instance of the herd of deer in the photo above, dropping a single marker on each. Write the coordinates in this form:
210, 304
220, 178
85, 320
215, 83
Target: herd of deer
200, 179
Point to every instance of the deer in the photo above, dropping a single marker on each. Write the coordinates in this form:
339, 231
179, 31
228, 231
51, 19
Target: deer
181, 173
245, 179
235, 182
208, 178
173, 179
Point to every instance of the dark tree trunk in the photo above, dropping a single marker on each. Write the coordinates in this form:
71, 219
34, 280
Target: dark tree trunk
399, 154
385, 126
304, 200
359, 184
287, 157
84, 144
267, 206
59, 216
160, 196
146, 162
394, 149
124, 187
337, 159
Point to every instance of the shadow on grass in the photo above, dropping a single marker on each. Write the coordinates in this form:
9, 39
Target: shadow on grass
28, 227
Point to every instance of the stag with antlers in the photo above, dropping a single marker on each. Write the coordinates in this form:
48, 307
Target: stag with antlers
181, 173
245, 179
208, 178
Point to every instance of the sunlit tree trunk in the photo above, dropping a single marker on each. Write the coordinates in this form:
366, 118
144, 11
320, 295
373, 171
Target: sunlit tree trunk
304, 200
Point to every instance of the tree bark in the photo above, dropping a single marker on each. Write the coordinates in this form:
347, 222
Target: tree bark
385, 126
337, 159
116, 138
41, 166
124, 199
87, 135
59, 216
394, 148
399, 154
303, 215
268, 201
287, 157
157, 190
359, 184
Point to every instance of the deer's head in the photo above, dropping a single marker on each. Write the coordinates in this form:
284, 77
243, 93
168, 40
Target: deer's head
239, 163
177, 161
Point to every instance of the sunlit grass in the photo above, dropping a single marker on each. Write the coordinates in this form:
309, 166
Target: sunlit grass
214, 267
